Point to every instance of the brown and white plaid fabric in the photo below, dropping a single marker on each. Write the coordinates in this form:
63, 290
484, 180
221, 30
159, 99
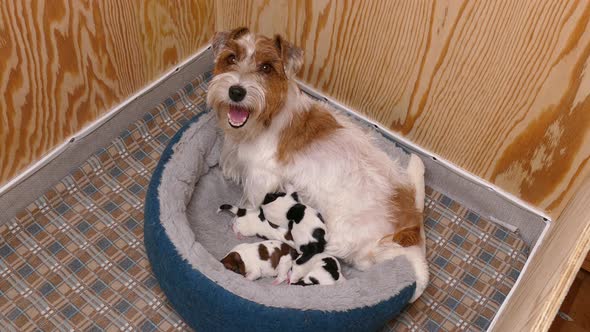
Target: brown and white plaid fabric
74, 259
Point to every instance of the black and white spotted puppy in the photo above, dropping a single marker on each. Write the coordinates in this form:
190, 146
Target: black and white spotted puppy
321, 269
306, 226
263, 259
276, 205
252, 222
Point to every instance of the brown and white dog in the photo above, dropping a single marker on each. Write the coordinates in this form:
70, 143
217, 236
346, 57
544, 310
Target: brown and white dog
276, 136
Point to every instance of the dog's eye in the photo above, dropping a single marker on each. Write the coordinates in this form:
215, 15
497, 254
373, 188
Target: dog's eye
231, 59
265, 68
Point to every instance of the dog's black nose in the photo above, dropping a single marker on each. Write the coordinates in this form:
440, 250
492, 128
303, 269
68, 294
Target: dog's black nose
237, 93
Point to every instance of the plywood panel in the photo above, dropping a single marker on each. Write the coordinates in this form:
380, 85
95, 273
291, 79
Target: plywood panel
499, 88
64, 63
545, 282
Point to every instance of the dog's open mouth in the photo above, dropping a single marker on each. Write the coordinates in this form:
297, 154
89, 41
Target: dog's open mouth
237, 116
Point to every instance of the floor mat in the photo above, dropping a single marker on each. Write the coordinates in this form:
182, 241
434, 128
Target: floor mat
74, 258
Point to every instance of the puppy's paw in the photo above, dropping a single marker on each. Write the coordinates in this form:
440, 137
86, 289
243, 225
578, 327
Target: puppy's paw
252, 276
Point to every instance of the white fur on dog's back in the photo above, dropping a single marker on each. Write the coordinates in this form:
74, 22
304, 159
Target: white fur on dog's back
351, 181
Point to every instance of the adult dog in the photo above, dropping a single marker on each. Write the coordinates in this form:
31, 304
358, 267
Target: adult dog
277, 136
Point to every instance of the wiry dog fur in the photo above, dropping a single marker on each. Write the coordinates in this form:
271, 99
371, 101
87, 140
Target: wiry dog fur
373, 207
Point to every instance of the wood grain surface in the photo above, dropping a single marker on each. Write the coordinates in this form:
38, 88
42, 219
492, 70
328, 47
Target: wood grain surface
65, 63
500, 88
544, 283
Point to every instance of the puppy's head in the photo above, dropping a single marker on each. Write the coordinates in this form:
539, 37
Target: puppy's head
233, 262
251, 80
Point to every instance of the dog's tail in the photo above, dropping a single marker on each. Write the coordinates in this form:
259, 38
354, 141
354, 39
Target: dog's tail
229, 208
415, 171
409, 199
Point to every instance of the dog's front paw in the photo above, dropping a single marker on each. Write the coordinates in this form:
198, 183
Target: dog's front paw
252, 276
237, 232
245, 226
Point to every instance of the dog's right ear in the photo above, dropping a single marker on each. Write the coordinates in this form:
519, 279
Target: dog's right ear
291, 54
218, 41
221, 38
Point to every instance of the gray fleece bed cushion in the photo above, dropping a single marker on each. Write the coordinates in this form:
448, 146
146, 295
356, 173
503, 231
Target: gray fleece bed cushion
185, 239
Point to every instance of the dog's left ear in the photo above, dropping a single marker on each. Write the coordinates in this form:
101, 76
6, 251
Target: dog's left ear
292, 56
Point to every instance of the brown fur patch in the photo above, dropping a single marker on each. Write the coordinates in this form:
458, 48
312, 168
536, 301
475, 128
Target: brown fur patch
408, 219
275, 257
289, 236
277, 253
263, 252
233, 262
222, 64
305, 129
407, 237
275, 81
288, 250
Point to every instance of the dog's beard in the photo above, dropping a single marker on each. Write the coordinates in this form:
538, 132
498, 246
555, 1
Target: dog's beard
237, 119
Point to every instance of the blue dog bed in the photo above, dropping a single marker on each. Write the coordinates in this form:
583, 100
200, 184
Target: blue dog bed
185, 238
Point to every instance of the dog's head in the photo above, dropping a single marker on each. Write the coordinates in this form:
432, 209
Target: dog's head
252, 75
233, 262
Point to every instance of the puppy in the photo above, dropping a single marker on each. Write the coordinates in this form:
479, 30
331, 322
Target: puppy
252, 222
263, 259
321, 269
275, 134
306, 229
276, 205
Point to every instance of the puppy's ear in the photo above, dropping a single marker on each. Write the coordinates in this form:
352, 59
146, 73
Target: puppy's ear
292, 56
233, 262
220, 38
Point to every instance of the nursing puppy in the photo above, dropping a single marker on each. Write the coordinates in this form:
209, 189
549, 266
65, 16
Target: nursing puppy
252, 222
277, 135
306, 226
263, 259
321, 269
276, 205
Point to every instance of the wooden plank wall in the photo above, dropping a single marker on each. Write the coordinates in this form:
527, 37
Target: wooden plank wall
65, 63
500, 88
551, 271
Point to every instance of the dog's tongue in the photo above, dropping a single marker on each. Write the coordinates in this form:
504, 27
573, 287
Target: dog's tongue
238, 115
